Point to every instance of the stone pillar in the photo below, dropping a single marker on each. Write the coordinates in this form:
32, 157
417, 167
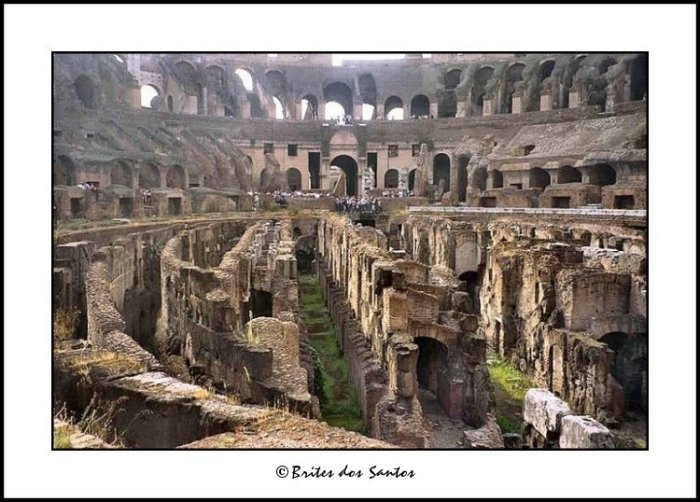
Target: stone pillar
462, 107
517, 104
205, 105
324, 171
574, 99
545, 102
488, 107
357, 110
245, 110
380, 110
135, 177
403, 361
163, 171
434, 109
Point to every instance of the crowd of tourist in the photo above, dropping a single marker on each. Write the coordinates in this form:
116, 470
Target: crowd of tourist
87, 186
358, 204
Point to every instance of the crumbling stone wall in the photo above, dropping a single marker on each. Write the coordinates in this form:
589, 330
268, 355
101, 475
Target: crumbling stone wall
382, 305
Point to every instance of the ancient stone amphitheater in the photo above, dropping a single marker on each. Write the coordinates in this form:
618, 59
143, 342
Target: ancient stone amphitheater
279, 252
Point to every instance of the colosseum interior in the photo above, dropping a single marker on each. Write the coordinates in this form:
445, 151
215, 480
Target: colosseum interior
445, 251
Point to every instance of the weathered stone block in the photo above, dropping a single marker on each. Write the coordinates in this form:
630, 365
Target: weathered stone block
544, 411
584, 432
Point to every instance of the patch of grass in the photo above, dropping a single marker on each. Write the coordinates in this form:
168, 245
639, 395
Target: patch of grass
509, 388
504, 374
340, 405
506, 424
61, 438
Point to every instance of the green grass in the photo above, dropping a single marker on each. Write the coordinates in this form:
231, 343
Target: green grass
509, 386
340, 406
61, 438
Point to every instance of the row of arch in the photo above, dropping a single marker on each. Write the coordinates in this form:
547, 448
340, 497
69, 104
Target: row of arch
66, 173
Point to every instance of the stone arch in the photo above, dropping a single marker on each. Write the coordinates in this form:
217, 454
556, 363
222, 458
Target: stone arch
216, 78
349, 166
294, 179
276, 83
452, 78
420, 106
368, 89
150, 95
391, 179
538, 178
411, 180
496, 179
64, 171
393, 103
568, 174
478, 179
481, 79
602, 174
86, 90
514, 74
121, 174
338, 92
175, 177
309, 107
441, 170
246, 78
149, 176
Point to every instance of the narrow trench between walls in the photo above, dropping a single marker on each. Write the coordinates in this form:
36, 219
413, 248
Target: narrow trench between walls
340, 406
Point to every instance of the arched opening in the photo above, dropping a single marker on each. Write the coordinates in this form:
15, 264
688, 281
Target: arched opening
481, 80
638, 77
447, 104
279, 109
568, 174
452, 78
496, 179
393, 108
170, 104
339, 93
539, 178
175, 177
420, 106
255, 108
276, 83
411, 180
349, 167
391, 179
368, 93
479, 177
544, 71
605, 64
602, 174
629, 365
514, 74
121, 174
309, 107
334, 111
148, 94
432, 368
294, 179
246, 78
260, 303
441, 171
86, 91
304, 261
216, 78
64, 171
462, 177
149, 176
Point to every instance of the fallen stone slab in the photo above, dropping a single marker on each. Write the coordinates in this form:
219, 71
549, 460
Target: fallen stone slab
580, 431
544, 411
